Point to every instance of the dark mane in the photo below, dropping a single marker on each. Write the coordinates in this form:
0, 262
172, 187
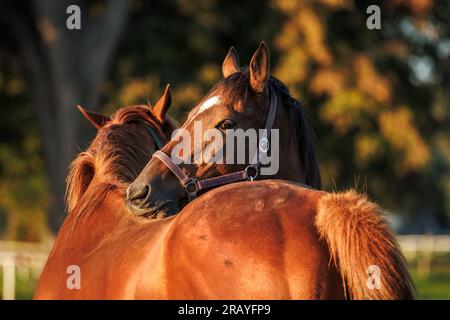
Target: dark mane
304, 133
235, 87
115, 157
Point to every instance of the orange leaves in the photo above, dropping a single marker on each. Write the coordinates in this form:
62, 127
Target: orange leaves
137, 91
396, 48
314, 33
398, 129
304, 29
367, 147
418, 7
328, 81
47, 29
347, 109
356, 97
293, 66
289, 6
209, 73
370, 81
337, 4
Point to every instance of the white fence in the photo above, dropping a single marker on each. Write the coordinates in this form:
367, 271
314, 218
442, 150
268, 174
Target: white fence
21, 260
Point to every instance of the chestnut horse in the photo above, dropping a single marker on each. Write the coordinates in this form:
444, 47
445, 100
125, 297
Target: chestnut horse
280, 241
274, 244
96, 187
241, 101
251, 240
346, 226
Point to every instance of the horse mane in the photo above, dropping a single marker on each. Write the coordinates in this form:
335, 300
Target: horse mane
235, 87
114, 159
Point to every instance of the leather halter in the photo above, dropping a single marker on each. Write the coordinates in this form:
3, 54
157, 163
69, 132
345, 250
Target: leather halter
193, 186
155, 134
159, 144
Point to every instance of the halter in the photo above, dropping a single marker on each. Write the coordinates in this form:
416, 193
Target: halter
155, 133
193, 186
159, 144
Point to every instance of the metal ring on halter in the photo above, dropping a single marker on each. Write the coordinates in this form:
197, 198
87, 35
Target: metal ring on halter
253, 176
191, 188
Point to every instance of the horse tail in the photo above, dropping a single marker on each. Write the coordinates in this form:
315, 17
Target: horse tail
363, 247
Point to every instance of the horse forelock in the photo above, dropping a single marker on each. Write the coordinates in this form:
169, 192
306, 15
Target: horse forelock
115, 157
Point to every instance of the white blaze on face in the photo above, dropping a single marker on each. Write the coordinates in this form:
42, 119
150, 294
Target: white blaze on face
208, 104
211, 102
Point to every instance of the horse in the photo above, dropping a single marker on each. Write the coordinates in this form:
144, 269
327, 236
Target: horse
275, 239
349, 238
103, 252
245, 99
97, 178
281, 241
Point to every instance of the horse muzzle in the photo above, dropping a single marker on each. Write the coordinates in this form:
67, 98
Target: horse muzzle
138, 203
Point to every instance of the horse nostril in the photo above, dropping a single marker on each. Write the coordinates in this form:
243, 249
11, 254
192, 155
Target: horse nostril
137, 197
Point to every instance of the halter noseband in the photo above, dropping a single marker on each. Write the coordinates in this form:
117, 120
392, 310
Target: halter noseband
193, 186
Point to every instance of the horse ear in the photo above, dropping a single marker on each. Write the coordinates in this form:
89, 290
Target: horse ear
97, 119
163, 104
260, 68
230, 63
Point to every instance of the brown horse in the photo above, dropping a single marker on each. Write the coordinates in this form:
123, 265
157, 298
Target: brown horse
273, 244
98, 178
241, 101
353, 229
279, 241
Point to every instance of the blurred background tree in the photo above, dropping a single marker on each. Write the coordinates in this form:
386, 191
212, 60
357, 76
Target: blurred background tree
378, 99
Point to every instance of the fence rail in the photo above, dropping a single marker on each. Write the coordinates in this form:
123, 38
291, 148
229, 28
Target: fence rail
19, 259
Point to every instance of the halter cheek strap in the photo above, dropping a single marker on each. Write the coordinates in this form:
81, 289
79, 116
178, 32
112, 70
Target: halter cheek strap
159, 144
193, 186
155, 133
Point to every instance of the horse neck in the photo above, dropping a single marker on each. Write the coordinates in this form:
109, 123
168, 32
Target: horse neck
101, 216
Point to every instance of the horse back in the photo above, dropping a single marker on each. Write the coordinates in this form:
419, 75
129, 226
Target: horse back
251, 240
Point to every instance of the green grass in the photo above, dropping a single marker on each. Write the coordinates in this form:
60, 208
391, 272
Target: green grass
24, 288
436, 285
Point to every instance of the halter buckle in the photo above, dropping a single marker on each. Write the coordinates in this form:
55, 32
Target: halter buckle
191, 188
252, 175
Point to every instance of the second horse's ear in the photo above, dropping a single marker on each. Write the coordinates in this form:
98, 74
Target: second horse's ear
260, 68
97, 119
163, 104
230, 63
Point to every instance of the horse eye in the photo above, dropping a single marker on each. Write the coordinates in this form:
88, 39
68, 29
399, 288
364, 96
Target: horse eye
226, 125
